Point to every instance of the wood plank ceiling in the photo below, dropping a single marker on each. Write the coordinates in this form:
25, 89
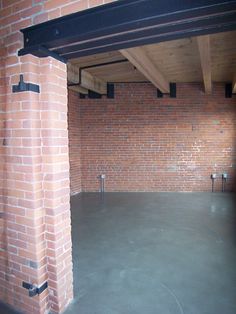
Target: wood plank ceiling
206, 59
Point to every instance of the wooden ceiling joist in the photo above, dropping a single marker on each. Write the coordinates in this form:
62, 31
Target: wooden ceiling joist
77, 88
85, 80
205, 58
140, 59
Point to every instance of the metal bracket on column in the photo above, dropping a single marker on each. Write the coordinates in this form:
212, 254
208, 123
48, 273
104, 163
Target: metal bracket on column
25, 87
34, 290
172, 91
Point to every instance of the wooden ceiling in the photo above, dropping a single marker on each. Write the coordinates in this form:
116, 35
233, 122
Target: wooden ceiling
209, 58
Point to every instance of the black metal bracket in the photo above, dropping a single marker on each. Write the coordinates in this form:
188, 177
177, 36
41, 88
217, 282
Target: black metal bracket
34, 290
229, 90
110, 91
25, 87
82, 96
172, 91
159, 94
93, 95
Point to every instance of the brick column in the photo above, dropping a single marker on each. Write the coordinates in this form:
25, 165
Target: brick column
56, 182
35, 187
24, 212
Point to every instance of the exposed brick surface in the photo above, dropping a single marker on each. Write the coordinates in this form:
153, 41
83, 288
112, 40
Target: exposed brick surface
74, 142
142, 143
35, 238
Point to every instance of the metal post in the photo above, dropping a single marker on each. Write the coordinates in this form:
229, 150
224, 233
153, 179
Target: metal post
224, 179
102, 183
213, 177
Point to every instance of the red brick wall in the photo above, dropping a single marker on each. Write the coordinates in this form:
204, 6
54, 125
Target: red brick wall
143, 143
74, 142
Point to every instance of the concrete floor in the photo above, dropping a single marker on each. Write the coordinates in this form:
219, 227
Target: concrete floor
154, 253
167, 253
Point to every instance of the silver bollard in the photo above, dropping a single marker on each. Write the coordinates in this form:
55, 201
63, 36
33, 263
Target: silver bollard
102, 183
224, 179
213, 177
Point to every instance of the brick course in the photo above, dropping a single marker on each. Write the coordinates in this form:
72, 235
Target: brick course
143, 143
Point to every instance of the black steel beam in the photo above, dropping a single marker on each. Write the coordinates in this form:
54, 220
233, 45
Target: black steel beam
129, 23
158, 33
208, 25
41, 52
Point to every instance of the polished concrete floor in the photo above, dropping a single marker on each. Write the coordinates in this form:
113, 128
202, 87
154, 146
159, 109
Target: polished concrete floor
154, 253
